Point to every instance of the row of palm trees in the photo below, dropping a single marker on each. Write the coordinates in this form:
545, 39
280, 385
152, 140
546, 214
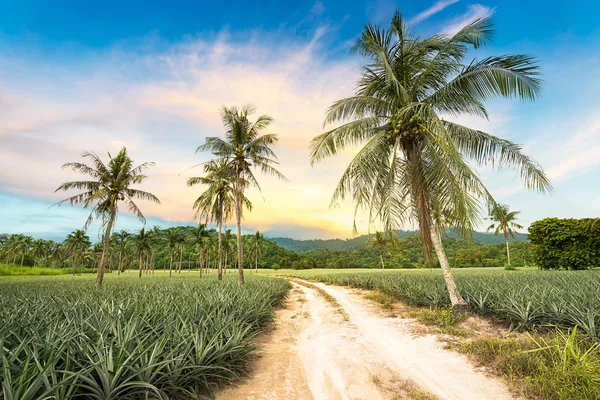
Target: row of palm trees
130, 249
413, 164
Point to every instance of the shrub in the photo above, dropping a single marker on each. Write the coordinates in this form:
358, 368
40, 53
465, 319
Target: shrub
565, 243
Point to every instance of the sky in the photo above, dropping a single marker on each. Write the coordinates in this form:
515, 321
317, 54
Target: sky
97, 76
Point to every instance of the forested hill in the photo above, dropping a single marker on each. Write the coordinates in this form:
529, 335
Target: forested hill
360, 241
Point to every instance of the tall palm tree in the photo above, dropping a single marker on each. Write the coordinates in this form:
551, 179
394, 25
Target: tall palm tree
181, 240
245, 149
411, 156
504, 221
39, 250
77, 243
256, 247
172, 238
22, 245
121, 239
199, 238
379, 242
109, 185
227, 246
216, 203
143, 244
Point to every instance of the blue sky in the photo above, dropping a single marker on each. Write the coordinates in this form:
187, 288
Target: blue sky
151, 76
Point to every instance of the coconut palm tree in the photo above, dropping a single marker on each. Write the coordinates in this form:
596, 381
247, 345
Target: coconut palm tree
199, 238
142, 244
504, 221
77, 243
109, 185
216, 203
412, 156
22, 245
256, 247
379, 242
172, 238
245, 149
39, 250
121, 239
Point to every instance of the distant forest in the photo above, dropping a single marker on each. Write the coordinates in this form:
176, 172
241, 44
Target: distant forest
360, 242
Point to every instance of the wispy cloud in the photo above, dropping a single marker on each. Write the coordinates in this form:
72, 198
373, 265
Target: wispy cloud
474, 12
434, 9
161, 103
569, 155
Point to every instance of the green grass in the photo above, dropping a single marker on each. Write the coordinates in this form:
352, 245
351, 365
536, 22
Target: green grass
11, 269
148, 338
524, 299
552, 366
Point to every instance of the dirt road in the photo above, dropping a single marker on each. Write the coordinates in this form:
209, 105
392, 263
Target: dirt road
331, 343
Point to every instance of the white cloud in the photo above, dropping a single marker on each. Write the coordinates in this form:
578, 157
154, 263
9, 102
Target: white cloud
475, 11
434, 9
161, 104
569, 150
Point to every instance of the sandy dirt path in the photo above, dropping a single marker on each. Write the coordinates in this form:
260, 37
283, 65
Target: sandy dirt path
331, 343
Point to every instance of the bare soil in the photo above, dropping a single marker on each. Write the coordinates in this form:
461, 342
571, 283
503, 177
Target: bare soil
331, 343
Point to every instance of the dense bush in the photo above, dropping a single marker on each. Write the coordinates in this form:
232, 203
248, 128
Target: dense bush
156, 338
565, 243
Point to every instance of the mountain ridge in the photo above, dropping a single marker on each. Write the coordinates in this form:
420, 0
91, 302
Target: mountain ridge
359, 242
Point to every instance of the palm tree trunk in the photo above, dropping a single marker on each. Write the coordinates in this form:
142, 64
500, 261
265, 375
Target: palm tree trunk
74, 264
180, 259
105, 249
458, 303
507, 249
238, 215
141, 263
200, 261
220, 253
120, 262
256, 263
170, 264
381, 259
22, 258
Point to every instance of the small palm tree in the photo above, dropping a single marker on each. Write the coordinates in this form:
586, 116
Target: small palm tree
199, 238
109, 185
143, 244
172, 238
505, 222
411, 157
256, 247
244, 149
379, 242
121, 239
77, 243
39, 250
216, 203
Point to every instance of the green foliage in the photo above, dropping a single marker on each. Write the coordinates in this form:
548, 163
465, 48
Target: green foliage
406, 253
557, 366
360, 242
523, 299
7, 270
565, 243
157, 338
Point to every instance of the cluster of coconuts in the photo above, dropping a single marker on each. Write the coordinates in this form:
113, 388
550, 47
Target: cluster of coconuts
399, 127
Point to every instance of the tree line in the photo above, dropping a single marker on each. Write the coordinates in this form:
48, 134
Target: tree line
173, 249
